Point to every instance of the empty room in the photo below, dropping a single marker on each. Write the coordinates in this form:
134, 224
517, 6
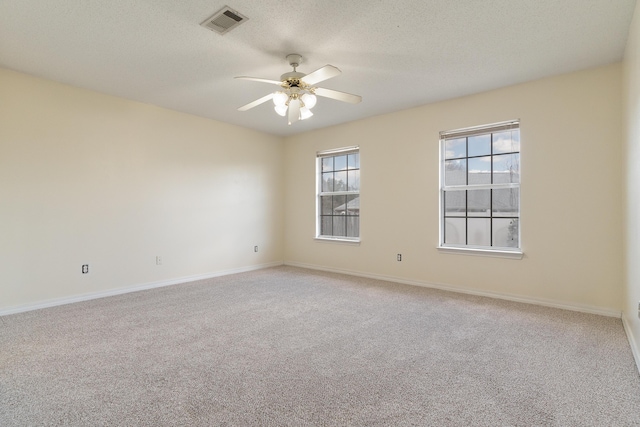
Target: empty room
328, 213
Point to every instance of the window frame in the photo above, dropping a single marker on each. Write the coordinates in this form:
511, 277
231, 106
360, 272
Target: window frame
466, 248
320, 155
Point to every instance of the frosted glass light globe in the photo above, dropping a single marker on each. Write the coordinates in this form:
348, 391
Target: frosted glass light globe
309, 100
281, 109
280, 98
305, 113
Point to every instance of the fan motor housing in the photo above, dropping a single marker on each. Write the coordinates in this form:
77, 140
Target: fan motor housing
293, 75
292, 79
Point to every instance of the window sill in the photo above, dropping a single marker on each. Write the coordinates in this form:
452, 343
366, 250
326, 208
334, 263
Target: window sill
481, 252
338, 240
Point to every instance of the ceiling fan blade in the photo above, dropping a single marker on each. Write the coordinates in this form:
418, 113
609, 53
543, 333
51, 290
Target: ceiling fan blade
340, 96
256, 79
256, 102
321, 74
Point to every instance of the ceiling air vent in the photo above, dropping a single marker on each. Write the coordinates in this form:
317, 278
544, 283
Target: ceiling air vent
224, 20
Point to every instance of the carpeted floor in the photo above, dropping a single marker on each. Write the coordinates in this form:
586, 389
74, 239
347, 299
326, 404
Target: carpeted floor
292, 347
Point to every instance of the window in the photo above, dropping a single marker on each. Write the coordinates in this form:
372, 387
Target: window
480, 188
338, 214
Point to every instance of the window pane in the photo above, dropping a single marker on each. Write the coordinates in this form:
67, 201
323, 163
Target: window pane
353, 180
353, 226
326, 205
479, 203
339, 205
455, 203
353, 161
339, 226
455, 148
326, 226
353, 205
480, 145
327, 164
327, 181
505, 232
340, 183
455, 172
506, 168
479, 231
480, 170
506, 202
506, 142
454, 231
340, 163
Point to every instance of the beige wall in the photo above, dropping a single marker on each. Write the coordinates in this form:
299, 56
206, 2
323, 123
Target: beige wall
632, 163
89, 178
571, 193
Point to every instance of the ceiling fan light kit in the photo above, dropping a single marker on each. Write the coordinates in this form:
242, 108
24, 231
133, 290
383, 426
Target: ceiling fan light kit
298, 94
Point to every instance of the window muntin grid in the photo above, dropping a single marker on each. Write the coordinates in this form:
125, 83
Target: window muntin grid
480, 188
338, 215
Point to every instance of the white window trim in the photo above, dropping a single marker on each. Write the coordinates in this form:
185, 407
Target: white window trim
493, 253
332, 239
500, 252
346, 240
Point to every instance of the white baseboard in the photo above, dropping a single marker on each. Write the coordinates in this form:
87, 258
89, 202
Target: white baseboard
135, 288
632, 342
516, 298
186, 279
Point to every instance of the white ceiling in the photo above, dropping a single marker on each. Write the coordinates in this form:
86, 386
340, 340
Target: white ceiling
396, 54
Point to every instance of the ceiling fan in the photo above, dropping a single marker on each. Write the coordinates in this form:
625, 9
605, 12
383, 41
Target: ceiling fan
297, 95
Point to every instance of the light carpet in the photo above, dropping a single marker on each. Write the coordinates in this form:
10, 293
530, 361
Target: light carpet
292, 347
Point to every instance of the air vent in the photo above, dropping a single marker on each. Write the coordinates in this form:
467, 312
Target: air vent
224, 20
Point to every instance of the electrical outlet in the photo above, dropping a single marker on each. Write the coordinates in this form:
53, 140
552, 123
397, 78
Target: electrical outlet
85, 268
399, 257
158, 260
255, 249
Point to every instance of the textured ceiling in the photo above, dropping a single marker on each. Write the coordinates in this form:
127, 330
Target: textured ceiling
395, 54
